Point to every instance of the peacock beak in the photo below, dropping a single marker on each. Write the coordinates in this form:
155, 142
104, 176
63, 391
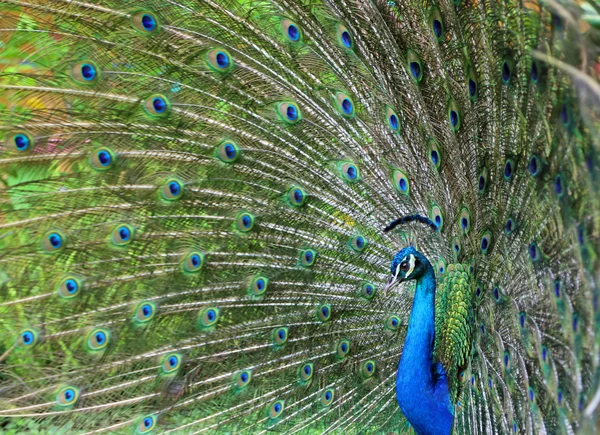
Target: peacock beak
392, 282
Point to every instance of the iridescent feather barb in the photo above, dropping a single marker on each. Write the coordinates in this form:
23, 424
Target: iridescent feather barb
192, 198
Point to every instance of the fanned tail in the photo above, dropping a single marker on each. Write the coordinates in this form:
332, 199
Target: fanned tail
194, 195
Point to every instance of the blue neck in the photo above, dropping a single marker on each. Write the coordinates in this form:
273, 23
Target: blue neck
421, 392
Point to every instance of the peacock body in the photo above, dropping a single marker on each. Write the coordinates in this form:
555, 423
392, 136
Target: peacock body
193, 202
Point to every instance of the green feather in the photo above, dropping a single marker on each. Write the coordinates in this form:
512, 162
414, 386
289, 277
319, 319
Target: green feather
193, 196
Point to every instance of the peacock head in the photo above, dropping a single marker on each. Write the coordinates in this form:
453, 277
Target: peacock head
408, 263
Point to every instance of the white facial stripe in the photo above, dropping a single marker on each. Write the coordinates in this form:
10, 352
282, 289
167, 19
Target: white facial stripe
412, 262
397, 270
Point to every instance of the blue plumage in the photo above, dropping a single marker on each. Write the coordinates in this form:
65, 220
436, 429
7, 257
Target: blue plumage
421, 385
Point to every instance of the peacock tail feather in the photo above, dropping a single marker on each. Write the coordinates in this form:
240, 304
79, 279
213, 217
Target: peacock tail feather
193, 195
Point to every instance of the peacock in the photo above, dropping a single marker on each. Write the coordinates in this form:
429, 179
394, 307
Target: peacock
299, 217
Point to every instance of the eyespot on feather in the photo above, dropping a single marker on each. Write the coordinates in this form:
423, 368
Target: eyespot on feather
441, 266
367, 290
471, 266
145, 22
308, 257
28, 338
193, 261
85, 72
557, 288
531, 394
506, 360
510, 226
19, 141
67, 396
509, 169
534, 252
157, 106
208, 317
275, 409
522, 319
434, 153
327, 397
401, 182
344, 105
98, 339
171, 363
244, 222
342, 349
415, 67
486, 242
482, 181
497, 294
349, 172
259, 286
535, 165
289, 112
53, 241
146, 424
144, 312
241, 379
306, 372
464, 220
291, 31
393, 119
472, 84
436, 216
559, 186
581, 234
456, 246
122, 235
280, 336
172, 190
102, 159
219, 60
368, 369
69, 287
228, 152
392, 323
357, 243
454, 116
479, 291
559, 397
296, 196
344, 37
437, 24
536, 71
507, 69
324, 312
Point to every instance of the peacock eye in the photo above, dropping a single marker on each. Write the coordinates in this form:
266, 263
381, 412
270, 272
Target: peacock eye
171, 363
219, 60
241, 379
98, 339
404, 266
157, 106
67, 396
